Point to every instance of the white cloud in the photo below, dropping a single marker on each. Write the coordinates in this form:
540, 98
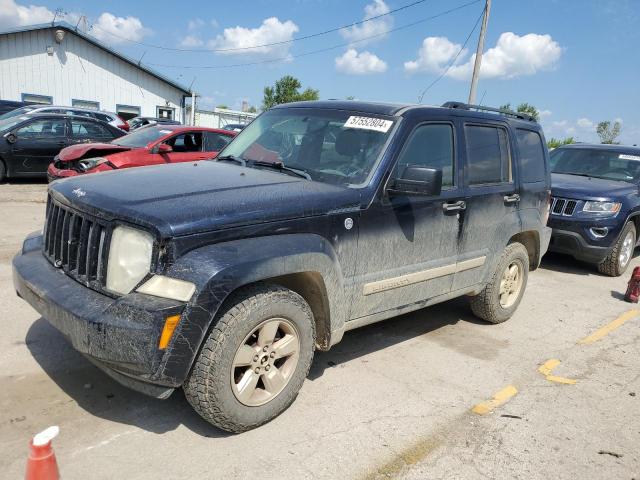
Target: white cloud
545, 113
191, 41
272, 30
585, 123
14, 15
513, 56
195, 24
374, 27
112, 29
360, 63
433, 56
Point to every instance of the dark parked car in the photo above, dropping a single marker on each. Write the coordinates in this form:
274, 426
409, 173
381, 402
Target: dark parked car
595, 214
109, 117
139, 122
153, 145
30, 142
223, 277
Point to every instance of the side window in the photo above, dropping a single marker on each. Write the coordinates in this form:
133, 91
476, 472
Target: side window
430, 146
42, 128
488, 155
531, 156
89, 130
215, 141
186, 142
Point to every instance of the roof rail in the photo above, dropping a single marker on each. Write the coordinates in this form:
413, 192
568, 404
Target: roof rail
480, 108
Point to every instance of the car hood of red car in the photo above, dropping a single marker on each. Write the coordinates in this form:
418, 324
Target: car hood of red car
89, 150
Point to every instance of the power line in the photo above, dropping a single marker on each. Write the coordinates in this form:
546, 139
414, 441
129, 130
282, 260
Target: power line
283, 42
454, 59
322, 50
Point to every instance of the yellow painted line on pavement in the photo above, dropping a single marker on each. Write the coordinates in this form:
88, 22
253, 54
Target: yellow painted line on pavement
547, 368
610, 327
501, 397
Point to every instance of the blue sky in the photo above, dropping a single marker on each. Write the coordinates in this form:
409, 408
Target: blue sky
577, 61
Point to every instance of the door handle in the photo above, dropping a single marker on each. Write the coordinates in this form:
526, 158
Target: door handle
457, 206
514, 198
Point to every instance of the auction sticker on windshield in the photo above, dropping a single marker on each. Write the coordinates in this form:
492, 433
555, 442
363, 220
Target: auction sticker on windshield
368, 123
628, 157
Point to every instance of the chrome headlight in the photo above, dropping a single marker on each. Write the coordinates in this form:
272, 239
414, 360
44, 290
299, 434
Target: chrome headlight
129, 259
89, 163
602, 207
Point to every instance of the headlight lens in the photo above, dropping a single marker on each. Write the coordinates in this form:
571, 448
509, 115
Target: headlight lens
601, 207
89, 163
129, 259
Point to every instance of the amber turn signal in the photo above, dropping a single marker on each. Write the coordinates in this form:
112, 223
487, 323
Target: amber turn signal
170, 325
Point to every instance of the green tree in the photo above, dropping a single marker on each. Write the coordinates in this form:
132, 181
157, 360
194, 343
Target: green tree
558, 142
608, 133
252, 109
226, 107
524, 108
287, 90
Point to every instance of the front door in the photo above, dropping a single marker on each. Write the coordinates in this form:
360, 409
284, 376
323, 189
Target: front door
187, 147
407, 247
37, 142
492, 197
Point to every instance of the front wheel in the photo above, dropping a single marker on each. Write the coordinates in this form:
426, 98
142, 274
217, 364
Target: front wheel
620, 256
501, 296
255, 359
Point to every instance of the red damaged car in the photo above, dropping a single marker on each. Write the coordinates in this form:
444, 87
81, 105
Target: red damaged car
147, 146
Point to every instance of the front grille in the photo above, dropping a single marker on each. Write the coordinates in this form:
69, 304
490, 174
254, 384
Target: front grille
563, 206
77, 244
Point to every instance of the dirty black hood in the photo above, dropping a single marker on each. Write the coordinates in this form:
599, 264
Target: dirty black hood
187, 198
589, 188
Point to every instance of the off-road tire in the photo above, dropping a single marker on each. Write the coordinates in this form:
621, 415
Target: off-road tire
611, 264
486, 305
208, 387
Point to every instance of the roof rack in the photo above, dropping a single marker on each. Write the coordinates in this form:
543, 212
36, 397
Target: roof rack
480, 108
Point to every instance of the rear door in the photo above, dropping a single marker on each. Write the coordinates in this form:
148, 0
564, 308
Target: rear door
492, 198
535, 179
37, 142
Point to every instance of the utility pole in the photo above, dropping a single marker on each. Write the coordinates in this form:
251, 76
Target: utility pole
478, 62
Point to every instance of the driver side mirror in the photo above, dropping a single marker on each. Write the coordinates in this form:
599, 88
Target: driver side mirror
418, 180
164, 148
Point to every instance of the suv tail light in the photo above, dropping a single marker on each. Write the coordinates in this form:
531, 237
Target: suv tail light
122, 125
547, 208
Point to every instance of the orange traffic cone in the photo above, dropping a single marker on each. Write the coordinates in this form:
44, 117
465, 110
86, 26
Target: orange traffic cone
41, 464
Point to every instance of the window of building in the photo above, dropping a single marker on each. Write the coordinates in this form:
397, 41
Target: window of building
487, 155
39, 99
85, 104
127, 112
165, 112
531, 152
430, 146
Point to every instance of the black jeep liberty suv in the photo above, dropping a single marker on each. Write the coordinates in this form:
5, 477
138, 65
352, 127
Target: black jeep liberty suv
222, 277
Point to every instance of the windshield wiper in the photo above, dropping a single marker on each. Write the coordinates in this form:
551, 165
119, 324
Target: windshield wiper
232, 158
577, 174
282, 167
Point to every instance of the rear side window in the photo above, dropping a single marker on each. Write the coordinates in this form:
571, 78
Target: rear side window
488, 157
531, 156
89, 130
214, 142
431, 146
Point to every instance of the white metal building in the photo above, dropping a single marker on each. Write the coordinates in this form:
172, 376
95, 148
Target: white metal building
56, 63
220, 117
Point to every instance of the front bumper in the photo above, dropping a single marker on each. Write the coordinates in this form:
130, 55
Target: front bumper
573, 236
120, 335
572, 243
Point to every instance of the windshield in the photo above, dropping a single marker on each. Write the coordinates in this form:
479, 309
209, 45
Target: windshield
9, 123
596, 163
16, 112
331, 146
141, 138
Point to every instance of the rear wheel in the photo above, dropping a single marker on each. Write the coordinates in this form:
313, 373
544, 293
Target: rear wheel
255, 359
619, 258
500, 298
